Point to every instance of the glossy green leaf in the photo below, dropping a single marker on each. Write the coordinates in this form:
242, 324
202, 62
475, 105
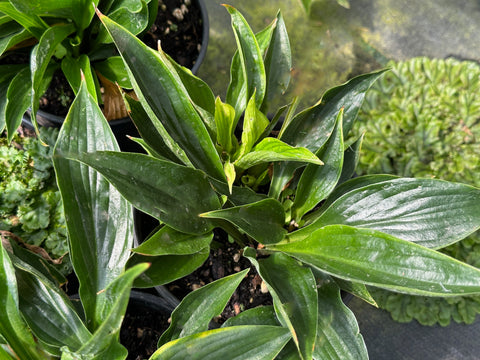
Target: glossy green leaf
199, 307
236, 342
346, 187
225, 124
163, 95
41, 55
153, 132
174, 194
278, 63
113, 68
254, 124
12, 326
114, 300
338, 335
271, 150
168, 241
251, 57
28, 19
293, 290
357, 289
260, 315
374, 258
237, 195
18, 101
84, 11
15, 35
237, 95
7, 72
350, 160
166, 268
432, 213
317, 182
197, 89
132, 15
311, 127
98, 242
262, 220
47, 310
73, 70
46, 7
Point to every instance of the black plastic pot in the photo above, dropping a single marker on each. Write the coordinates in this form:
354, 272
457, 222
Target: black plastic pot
123, 127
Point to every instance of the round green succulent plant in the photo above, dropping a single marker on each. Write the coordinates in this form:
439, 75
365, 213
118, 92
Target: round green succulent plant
422, 119
30, 203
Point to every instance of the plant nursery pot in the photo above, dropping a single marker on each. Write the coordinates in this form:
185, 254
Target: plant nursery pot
123, 127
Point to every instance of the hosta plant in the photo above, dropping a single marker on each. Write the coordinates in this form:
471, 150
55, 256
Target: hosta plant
421, 120
306, 227
310, 230
61, 35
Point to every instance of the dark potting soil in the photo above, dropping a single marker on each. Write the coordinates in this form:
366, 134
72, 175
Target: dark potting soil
140, 332
220, 263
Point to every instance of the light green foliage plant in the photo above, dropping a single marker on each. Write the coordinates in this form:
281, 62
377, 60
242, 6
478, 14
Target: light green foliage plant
30, 203
421, 120
60, 35
319, 230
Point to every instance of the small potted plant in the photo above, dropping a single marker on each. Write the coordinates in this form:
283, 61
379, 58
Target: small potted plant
45, 44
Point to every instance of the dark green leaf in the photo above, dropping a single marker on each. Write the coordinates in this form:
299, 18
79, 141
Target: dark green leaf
338, 335
311, 127
48, 311
16, 34
160, 89
7, 72
250, 56
24, 16
293, 290
113, 68
73, 70
317, 182
278, 63
199, 307
167, 268
152, 132
12, 326
114, 301
172, 193
99, 220
261, 315
253, 342
346, 187
374, 258
263, 220
41, 55
168, 241
432, 213
18, 100
350, 160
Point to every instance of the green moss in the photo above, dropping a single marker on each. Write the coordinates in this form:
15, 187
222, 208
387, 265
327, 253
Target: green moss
30, 203
422, 119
